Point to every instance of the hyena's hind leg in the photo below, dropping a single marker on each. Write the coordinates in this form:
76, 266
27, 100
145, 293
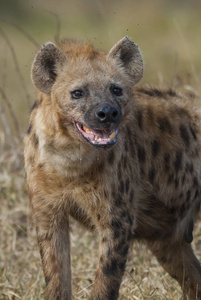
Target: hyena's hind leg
179, 260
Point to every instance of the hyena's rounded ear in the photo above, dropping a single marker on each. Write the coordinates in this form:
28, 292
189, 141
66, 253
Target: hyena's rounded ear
128, 56
46, 66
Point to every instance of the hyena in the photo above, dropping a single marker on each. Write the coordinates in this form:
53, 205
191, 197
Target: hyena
122, 161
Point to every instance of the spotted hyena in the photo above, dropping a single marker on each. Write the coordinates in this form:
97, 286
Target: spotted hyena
123, 161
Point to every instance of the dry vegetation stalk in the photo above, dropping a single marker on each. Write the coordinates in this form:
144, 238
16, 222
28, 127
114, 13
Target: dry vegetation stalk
17, 67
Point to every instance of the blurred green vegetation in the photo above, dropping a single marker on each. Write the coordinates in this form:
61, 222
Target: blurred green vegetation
168, 33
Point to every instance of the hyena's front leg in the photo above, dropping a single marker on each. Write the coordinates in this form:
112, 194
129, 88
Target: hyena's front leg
54, 244
114, 245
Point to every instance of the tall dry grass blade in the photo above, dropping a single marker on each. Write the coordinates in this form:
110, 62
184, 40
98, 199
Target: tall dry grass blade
17, 67
186, 49
58, 26
12, 114
5, 122
26, 34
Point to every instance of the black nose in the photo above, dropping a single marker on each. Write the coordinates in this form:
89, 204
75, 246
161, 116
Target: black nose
107, 113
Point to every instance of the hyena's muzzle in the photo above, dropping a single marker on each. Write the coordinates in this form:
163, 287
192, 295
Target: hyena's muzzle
101, 125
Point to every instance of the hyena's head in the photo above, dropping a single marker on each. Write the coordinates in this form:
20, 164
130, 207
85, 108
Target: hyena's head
90, 88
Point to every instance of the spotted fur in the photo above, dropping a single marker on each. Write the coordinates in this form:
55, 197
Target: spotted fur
144, 185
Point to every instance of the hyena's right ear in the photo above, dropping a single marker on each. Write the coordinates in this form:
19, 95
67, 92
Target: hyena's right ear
46, 66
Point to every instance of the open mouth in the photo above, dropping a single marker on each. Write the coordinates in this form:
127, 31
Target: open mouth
97, 137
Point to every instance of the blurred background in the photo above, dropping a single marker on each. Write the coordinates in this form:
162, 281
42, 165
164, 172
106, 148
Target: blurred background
169, 35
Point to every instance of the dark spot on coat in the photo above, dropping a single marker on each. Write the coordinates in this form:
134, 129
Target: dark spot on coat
121, 244
116, 234
155, 148
170, 179
176, 183
127, 185
131, 196
100, 167
123, 214
181, 196
164, 124
183, 179
189, 168
166, 160
122, 265
163, 260
35, 140
193, 133
139, 119
119, 169
182, 210
150, 114
115, 223
184, 135
29, 128
126, 147
130, 138
171, 93
125, 161
41, 253
124, 252
196, 195
118, 200
47, 280
104, 240
152, 92
141, 154
178, 161
110, 268
112, 293
151, 174
195, 182
111, 157
121, 186
188, 196
188, 236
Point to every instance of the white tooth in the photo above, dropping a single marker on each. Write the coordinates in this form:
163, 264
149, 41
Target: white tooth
87, 130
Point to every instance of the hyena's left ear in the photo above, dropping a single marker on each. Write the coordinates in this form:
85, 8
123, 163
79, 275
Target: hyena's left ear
46, 65
128, 56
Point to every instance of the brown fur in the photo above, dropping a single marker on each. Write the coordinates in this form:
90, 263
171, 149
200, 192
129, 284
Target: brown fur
146, 186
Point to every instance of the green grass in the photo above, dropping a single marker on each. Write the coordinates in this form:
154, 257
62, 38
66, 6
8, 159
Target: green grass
168, 33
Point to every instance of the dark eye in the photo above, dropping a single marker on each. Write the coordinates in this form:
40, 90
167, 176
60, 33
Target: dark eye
117, 91
77, 94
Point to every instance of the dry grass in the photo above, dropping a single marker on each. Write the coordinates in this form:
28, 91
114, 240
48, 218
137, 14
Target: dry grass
172, 56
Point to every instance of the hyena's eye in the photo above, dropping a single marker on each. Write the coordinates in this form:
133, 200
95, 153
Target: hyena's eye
117, 91
77, 94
